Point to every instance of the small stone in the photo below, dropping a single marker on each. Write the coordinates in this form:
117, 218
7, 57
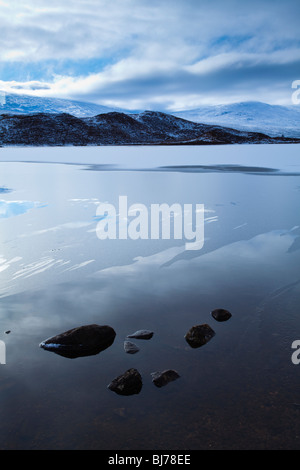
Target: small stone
220, 314
7, 332
199, 335
160, 379
130, 348
141, 334
129, 383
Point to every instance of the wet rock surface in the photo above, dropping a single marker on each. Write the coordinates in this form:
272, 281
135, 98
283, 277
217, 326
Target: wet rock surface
141, 334
81, 341
160, 379
221, 314
199, 335
130, 348
129, 383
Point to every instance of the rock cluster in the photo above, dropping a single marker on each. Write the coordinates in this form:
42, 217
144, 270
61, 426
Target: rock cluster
91, 339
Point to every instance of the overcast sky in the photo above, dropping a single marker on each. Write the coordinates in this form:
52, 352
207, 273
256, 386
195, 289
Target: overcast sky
151, 54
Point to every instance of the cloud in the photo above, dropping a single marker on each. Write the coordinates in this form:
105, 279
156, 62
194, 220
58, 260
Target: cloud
138, 84
31, 86
137, 54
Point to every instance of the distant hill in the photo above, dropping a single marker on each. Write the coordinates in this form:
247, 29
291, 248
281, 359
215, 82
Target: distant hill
97, 125
147, 128
25, 104
273, 120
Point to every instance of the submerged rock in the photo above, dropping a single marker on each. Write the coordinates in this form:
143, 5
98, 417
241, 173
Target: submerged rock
220, 314
141, 334
199, 335
160, 379
82, 341
129, 383
130, 348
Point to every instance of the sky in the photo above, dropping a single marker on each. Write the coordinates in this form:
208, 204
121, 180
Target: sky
167, 55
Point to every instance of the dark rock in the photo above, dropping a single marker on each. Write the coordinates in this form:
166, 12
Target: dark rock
129, 383
160, 379
141, 334
199, 335
7, 332
220, 314
82, 341
130, 348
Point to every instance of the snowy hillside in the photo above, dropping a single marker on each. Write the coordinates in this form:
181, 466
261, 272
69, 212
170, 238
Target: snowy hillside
13, 103
272, 120
147, 128
253, 116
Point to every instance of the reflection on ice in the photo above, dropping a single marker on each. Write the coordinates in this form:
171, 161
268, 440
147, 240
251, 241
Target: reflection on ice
4, 264
80, 265
240, 226
56, 228
253, 266
13, 208
95, 201
38, 267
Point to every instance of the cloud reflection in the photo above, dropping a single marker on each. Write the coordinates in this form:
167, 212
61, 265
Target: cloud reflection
254, 265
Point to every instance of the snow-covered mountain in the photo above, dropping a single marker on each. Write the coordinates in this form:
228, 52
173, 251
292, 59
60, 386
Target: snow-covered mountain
13, 103
273, 120
147, 128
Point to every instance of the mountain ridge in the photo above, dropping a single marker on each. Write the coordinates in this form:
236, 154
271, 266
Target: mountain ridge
114, 128
274, 120
27, 120
15, 103
254, 116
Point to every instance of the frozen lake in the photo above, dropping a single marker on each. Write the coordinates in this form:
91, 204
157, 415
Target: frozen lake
239, 391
